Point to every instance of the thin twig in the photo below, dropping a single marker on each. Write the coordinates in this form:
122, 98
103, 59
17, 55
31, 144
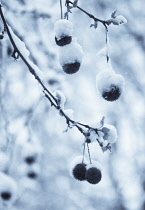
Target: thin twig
61, 9
90, 15
89, 153
84, 146
105, 24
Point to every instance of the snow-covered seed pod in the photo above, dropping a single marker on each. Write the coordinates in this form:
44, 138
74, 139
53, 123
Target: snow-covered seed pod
8, 190
30, 159
93, 173
1, 36
78, 169
32, 174
71, 68
110, 133
70, 57
110, 85
63, 32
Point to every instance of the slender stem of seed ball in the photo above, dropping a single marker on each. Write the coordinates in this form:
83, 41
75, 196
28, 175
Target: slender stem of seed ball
107, 53
89, 153
84, 146
61, 9
67, 6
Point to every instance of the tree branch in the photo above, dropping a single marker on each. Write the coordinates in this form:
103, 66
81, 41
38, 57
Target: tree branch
52, 99
90, 15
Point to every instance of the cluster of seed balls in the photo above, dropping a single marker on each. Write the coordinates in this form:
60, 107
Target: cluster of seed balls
70, 52
109, 84
89, 172
29, 165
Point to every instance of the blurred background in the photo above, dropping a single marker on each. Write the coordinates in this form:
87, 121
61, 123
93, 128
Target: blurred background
26, 115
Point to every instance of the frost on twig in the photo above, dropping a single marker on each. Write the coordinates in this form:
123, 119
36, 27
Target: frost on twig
116, 19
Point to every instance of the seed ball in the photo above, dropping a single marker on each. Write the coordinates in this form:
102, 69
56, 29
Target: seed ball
112, 93
71, 68
63, 32
93, 175
1, 36
30, 160
6, 195
79, 171
32, 175
63, 41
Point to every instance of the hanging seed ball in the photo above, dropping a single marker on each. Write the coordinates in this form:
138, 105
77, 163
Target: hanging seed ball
112, 93
32, 175
70, 57
8, 189
71, 68
64, 40
63, 30
93, 175
30, 160
79, 171
1, 36
110, 85
5, 195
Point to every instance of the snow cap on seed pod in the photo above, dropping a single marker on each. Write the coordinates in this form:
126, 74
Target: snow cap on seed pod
110, 85
93, 173
63, 32
78, 169
110, 133
4, 161
70, 57
8, 189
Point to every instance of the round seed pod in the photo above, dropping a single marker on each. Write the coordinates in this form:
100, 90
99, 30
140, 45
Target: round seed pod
70, 57
8, 189
30, 160
112, 93
32, 174
78, 168
71, 68
64, 40
1, 36
110, 85
6, 195
79, 171
63, 30
93, 175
